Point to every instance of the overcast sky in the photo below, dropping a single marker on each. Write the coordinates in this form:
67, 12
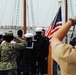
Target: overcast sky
43, 12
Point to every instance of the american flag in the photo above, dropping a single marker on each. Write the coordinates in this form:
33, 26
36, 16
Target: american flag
56, 24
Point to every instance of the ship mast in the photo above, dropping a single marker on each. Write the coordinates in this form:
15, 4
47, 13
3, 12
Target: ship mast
24, 16
66, 15
66, 11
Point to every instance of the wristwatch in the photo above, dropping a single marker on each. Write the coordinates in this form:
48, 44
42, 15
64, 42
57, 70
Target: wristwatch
73, 21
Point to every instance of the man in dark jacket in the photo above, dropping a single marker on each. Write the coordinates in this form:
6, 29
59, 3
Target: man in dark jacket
46, 50
28, 55
40, 50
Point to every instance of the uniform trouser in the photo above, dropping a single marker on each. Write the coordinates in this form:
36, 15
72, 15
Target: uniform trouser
41, 65
8, 72
46, 66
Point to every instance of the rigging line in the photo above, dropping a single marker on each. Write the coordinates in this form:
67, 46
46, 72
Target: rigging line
28, 13
21, 12
37, 12
14, 11
71, 6
47, 13
32, 12
3, 11
18, 11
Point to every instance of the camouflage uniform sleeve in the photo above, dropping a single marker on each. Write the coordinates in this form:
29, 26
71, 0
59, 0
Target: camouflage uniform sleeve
0, 52
22, 44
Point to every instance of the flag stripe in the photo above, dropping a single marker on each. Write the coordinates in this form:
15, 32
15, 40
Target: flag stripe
56, 24
52, 34
57, 27
49, 30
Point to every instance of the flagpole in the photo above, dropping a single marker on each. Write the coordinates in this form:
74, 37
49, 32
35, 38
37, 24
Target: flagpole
24, 28
66, 11
56, 15
66, 16
59, 2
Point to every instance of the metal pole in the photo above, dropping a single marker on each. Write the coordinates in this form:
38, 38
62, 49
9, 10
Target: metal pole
24, 16
66, 11
66, 17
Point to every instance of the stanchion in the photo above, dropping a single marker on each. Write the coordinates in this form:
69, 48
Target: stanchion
49, 62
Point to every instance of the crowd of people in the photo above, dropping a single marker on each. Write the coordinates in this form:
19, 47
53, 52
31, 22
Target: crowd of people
25, 54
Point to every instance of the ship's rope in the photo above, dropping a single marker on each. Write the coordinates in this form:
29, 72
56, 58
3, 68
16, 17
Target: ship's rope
48, 13
71, 7
18, 12
27, 8
14, 12
53, 10
37, 12
3, 11
32, 12
32, 16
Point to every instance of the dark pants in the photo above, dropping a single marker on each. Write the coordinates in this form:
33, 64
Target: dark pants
9, 72
3, 73
46, 66
41, 65
23, 69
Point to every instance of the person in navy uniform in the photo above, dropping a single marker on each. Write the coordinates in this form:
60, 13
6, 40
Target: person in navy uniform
40, 49
28, 54
46, 50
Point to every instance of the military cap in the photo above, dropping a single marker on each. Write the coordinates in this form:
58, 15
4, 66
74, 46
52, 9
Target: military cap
10, 33
38, 29
28, 35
